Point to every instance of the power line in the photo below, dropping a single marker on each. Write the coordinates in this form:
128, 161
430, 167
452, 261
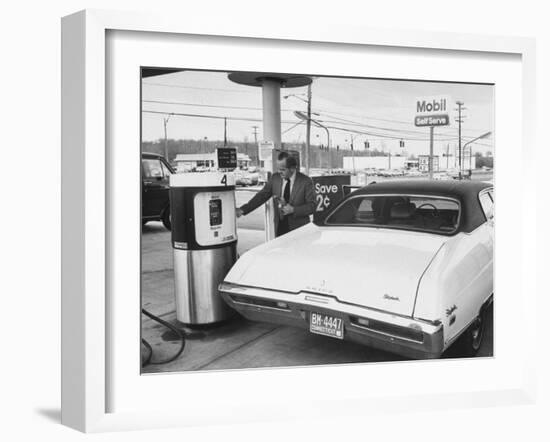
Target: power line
244, 91
352, 123
200, 105
349, 122
344, 129
404, 131
181, 103
331, 114
292, 127
339, 120
215, 117
387, 136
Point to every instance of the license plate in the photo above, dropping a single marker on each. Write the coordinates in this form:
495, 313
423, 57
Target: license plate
326, 325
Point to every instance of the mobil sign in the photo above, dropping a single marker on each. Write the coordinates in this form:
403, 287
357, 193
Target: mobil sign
433, 111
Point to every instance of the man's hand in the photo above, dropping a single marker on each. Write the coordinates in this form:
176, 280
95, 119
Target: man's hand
287, 209
239, 212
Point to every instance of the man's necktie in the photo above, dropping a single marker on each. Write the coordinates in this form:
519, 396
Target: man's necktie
286, 193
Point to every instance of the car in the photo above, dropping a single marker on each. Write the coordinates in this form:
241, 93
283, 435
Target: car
404, 266
441, 176
246, 177
414, 172
454, 174
155, 187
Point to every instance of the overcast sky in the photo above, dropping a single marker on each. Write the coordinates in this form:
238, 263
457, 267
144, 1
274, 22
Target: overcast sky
382, 109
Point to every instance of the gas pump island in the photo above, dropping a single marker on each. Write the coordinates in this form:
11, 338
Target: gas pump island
204, 242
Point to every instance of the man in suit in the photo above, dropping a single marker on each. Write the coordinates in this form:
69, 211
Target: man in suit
293, 192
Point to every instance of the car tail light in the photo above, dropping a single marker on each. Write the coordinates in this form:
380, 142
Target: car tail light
413, 332
249, 300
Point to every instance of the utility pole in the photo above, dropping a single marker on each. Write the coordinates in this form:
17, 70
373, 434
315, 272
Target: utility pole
431, 158
165, 119
256, 147
447, 156
352, 155
460, 105
225, 132
308, 128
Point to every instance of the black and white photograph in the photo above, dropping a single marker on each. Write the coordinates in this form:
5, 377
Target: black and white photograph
302, 220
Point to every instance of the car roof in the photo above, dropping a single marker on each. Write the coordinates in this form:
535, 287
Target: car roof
465, 191
451, 188
155, 156
151, 155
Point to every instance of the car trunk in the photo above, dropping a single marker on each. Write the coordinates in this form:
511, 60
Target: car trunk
376, 268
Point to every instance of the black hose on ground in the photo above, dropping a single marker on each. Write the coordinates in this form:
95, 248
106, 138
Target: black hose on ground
178, 333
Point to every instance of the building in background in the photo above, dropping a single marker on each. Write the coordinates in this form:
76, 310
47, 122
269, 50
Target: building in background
378, 162
441, 163
197, 162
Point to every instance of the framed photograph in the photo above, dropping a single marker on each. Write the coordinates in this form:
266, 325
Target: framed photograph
289, 223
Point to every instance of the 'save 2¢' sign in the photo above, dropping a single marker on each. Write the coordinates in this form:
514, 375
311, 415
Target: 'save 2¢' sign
329, 191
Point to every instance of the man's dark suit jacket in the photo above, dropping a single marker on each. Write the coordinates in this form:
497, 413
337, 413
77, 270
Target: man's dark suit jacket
302, 198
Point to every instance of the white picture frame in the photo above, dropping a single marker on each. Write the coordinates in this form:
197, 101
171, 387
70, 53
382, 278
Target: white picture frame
87, 311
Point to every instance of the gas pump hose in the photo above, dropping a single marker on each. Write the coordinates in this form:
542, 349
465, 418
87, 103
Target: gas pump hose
178, 333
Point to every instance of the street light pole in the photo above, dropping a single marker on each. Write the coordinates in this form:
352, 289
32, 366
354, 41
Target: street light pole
308, 124
460, 105
485, 135
308, 128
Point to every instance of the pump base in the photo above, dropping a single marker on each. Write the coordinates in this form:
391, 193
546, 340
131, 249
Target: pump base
197, 276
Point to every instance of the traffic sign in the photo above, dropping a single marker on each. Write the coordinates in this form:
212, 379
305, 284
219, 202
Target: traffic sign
424, 163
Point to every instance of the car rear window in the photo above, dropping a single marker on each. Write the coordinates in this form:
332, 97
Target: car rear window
408, 212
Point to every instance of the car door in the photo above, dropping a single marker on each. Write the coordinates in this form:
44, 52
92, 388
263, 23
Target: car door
155, 187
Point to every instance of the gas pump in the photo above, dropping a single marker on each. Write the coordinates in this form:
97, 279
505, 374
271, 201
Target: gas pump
204, 243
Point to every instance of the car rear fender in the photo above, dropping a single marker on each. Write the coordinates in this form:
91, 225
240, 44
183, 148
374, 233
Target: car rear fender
429, 297
456, 284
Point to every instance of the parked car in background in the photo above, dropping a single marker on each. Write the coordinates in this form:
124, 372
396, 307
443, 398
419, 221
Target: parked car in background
244, 177
405, 266
453, 173
441, 176
155, 186
414, 173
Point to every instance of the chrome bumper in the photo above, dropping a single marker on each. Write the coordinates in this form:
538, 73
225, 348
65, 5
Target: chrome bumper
398, 334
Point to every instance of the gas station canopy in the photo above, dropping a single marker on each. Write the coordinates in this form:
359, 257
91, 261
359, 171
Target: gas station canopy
155, 72
257, 79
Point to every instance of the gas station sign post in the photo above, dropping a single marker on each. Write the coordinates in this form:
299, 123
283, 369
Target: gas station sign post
430, 112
